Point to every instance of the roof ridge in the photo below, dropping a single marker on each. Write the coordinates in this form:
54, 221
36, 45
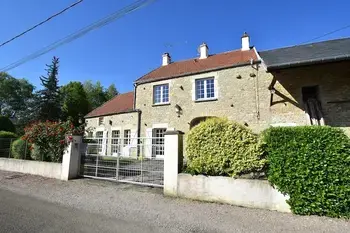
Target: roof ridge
293, 46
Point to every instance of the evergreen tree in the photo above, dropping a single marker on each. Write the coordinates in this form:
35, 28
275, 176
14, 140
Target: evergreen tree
111, 92
49, 97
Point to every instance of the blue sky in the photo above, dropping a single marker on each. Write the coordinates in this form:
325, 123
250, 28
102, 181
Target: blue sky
126, 49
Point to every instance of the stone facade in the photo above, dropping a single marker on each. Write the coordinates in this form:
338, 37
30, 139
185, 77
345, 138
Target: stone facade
121, 122
243, 95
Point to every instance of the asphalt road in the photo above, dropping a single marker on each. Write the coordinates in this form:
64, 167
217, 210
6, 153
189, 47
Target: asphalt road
27, 214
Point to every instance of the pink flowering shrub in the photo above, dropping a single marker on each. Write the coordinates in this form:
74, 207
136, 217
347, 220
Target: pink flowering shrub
50, 138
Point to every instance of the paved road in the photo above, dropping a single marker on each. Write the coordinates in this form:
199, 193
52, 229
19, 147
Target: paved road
19, 214
37, 204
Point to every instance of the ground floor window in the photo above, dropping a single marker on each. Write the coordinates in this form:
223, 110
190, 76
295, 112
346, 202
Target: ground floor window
158, 142
99, 138
115, 141
127, 137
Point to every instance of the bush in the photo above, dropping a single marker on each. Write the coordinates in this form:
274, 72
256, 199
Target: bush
218, 147
6, 125
312, 166
50, 138
20, 149
35, 153
5, 134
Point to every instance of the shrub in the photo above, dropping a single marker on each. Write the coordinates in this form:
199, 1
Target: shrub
5, 134
6, 125
20, 149
50, 138
312, 166
35, 153
219, 147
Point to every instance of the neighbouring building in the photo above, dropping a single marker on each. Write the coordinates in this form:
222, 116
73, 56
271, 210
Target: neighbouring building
300, 85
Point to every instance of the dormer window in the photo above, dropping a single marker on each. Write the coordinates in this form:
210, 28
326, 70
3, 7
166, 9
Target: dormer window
161, 94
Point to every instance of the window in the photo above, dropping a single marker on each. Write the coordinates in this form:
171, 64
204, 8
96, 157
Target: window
99, 137
158, 142
115, 141
205, 89
161, 94
127, 137
100, 121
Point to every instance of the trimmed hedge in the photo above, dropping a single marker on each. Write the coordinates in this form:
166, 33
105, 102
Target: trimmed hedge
311, 165
5, 134
6, 125
20, 149
219, 147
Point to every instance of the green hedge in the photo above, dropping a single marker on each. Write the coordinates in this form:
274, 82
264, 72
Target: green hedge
20, 149
219, 147
5, 134
312, 166
6, 124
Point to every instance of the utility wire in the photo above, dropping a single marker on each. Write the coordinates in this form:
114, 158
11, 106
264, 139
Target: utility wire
329, 33
98, 24
41, 23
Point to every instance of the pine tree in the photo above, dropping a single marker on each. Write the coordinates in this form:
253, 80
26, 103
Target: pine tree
49, 97
111, 92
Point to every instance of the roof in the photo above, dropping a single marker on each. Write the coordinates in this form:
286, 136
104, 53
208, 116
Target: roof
321, 52
122, 103
194, 66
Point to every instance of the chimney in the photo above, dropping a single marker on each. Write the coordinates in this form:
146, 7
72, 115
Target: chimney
245, 42
203, 51
166, 59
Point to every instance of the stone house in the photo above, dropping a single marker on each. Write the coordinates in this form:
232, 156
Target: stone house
300, 85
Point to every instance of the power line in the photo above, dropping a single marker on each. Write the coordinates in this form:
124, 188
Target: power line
98, 24
327, 34
41, 23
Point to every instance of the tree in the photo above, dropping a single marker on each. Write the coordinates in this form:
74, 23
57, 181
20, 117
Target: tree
15, 95
75, 103
49, 97
95, 94
111, 92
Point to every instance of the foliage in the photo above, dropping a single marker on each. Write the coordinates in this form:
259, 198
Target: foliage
312, 166
35, 153
5, 134
20, 149
219, 147
111, 92
6, 124
51, 138
49, 97
15, 96
75, 103
97, 94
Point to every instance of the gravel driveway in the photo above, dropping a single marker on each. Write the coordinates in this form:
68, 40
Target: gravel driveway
148, 207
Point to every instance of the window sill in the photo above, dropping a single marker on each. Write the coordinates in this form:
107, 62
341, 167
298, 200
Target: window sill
160, 104
205, 100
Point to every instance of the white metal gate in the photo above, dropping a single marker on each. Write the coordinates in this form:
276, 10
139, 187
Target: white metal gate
132, 160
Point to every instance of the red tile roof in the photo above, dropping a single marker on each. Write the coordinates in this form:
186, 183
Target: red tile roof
120, 104
193, 66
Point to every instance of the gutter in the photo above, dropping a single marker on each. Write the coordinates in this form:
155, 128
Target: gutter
109, 114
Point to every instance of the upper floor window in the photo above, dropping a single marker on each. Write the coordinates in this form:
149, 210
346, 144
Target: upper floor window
100, 121
161, 94
205, 89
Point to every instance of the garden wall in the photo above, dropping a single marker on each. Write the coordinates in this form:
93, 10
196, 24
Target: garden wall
46, 169
241, 192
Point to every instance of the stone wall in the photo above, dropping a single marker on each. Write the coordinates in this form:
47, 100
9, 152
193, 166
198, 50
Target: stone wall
247, 99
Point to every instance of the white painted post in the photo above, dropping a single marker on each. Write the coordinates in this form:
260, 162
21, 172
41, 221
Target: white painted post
173, 160
71, 159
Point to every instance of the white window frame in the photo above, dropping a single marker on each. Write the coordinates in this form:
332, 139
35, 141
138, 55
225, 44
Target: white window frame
127, 137
99, 138
158, 142
205, 89
115, 141
161, 94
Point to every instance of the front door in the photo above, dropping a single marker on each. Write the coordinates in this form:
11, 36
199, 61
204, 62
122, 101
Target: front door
158, 142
